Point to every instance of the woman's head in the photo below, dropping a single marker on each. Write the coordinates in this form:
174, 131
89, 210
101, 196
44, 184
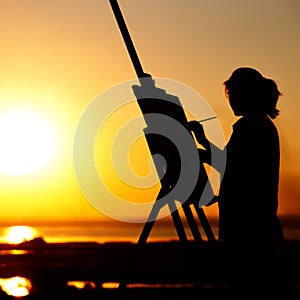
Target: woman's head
249, 91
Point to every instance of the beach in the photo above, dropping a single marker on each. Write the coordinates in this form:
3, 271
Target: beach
88, 269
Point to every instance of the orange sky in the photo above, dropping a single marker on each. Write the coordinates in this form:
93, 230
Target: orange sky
58, 56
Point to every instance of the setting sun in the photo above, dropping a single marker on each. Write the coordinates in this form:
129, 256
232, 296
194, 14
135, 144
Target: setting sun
27, 142
19, 234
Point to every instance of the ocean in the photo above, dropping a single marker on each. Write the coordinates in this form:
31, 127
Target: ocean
99, 232
113, 231
91, 231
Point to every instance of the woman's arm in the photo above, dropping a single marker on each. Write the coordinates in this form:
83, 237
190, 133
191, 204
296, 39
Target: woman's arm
209, 147
199, 133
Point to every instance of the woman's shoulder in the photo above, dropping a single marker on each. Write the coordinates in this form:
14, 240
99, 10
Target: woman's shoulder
257, 127
252, 121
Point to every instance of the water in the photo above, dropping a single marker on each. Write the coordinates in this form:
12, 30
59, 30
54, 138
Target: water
94, 231
102, 232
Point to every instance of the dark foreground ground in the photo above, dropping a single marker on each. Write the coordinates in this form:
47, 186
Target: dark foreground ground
165, 270
166, 294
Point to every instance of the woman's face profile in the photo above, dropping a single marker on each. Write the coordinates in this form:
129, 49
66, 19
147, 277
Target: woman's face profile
235, 101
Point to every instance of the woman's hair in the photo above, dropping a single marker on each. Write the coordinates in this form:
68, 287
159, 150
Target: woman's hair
255, 92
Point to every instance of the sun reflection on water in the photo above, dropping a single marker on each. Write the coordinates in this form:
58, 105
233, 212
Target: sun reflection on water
16, 286
19, 234
82, 284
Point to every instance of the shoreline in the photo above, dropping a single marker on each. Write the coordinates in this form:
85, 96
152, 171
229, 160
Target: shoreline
170, 262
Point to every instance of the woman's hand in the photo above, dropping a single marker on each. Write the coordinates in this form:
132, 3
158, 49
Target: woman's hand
198, 130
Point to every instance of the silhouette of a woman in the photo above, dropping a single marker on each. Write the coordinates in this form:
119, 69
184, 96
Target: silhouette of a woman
248, 196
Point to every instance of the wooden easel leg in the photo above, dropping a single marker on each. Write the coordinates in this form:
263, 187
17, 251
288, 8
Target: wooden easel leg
141, 241
145, 232
157, 206
205, 224
152, 218
192, 223
143, 236
177, 222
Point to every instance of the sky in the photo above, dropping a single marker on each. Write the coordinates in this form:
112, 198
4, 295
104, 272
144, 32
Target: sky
58, 59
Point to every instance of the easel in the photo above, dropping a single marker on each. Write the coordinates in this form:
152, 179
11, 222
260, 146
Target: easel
153, 100
167, 183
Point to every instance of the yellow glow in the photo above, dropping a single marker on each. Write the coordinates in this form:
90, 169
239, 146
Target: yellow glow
27, 141
82, 284
57, 56
110, 285
19, 234
16, 286
124, 168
